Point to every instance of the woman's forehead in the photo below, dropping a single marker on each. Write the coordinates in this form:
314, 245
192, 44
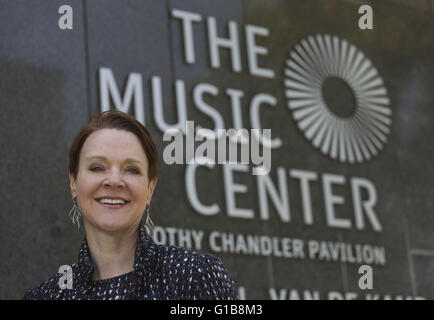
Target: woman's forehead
113, 144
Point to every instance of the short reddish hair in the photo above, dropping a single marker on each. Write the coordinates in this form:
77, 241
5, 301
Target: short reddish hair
114, 119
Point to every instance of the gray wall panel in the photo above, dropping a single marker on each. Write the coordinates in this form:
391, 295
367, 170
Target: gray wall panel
43, 101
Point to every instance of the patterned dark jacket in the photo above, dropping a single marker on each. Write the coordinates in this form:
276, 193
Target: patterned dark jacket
160, 273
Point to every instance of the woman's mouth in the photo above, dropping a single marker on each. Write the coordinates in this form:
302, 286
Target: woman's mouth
112, 203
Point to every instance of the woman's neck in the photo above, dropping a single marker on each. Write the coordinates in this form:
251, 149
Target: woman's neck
112, 253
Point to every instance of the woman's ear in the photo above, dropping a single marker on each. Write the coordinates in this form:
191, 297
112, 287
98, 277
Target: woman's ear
72, 185
152, 185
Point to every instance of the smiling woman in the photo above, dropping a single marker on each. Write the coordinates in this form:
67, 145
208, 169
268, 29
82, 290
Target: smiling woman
113, 174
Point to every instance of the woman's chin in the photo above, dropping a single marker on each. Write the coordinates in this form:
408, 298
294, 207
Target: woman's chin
111, 224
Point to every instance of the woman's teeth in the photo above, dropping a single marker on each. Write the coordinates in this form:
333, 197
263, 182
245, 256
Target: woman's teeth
112, 201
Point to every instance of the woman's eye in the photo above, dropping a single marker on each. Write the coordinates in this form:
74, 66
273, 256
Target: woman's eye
134, 170
96, 168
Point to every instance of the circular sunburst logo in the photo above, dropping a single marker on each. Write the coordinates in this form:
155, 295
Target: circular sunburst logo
357, 137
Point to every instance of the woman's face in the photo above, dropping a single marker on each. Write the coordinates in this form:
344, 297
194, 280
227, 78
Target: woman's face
112, 186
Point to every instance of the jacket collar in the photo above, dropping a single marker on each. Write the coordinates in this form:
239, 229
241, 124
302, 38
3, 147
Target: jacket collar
145, 252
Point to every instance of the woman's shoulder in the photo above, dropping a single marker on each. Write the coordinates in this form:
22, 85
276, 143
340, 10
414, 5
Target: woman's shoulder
49, 289
186, 255
177, 257
206, 273
45, 290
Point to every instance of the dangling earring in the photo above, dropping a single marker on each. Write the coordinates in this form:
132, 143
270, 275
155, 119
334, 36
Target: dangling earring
75, 213
148, 222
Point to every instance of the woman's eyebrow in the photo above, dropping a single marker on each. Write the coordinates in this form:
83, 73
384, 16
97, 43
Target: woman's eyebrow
134, 161
105, 159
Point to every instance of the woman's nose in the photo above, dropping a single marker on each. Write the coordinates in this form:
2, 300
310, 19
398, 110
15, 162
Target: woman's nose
114, 180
